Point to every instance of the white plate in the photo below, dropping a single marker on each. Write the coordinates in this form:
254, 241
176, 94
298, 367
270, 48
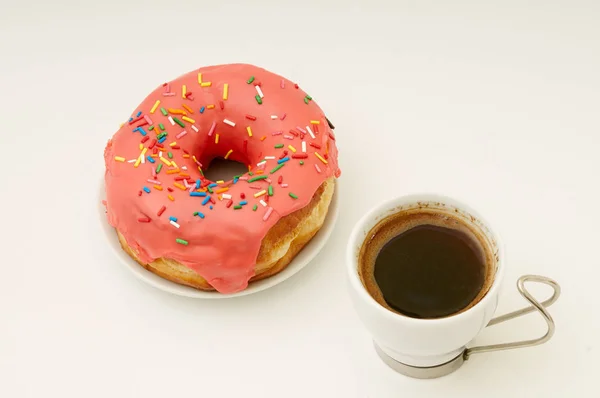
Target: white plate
300, 261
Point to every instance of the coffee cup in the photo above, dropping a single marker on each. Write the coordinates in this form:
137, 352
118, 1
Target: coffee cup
429, 348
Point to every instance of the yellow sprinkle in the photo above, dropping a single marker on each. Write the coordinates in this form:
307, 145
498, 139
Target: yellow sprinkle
320, 158
138, 161
119, 159
211, 106
187, 108
183, 91
186, 156
194, 157
220, 182
173, 171
173, 164
216, 138
173, 143
158, 187
228, 153
225, 91
171, 198
155, 106
141, 146
206, 84
199, 78
144, 151
249, 130
263, 137
315, 122
121, 125
165, 161
220, 197
187, 119
261, 193
221, 190
292, 148
178, 185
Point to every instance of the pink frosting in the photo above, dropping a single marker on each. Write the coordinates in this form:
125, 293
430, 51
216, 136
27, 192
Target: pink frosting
223, 246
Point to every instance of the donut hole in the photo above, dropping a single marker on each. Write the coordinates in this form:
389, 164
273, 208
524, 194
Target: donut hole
220, 169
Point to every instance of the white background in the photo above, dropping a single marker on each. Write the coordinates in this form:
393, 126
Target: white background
497, 104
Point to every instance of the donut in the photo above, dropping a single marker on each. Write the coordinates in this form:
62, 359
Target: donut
220, 235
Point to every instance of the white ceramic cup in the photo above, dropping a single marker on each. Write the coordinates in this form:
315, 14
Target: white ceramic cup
425, 343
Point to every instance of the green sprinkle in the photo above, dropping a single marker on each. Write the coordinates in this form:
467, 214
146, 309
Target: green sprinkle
209, 189
164, 111
237, 207
258, 99
162, 126
277, 167
181, 241
293, 196
195, 213
250, 80
261, 177
308, 97
255, 207
301, 162
270, 190
161, 135
306, 100
151, 128
170, 154
158, 168
279, 146
250, 173
179, 122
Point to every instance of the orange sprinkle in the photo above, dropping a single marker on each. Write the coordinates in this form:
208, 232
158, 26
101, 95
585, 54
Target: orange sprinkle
177, 111
173, 171
216, 138
186, 156
221, 190
211, 106
187, 108
259, 171
187, 119
184, 174
228, 153
178, 185
171, 198
264, 137
154, 155
158, 187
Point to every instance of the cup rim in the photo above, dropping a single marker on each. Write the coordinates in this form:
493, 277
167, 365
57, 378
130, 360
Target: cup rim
352, 263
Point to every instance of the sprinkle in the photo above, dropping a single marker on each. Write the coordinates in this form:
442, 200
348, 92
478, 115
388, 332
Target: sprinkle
300, 156
171, 121
276, 133
216, 138
258, 99
291, 148
254, 207
170, 155
320, 158
144, 219
282, 83
293, 195
312, 144
283, 160
228, 153
155, 106
199, 214
263, 177
303, 146
161, 211
178, 136
158, 187
182, 241
221, 190
261, 193
212, 128
138, 161
206, 200
270, 190
269, 157
317, 168
194, 128
229, 122
312, 135
279, 146
225, 91
183, 91
220, 182
261, 163
147, 118
168, 94
146, 189
263, 137
262, 202
187, 119
150, 159
273, 117
171, 198
260, 93
159, 168
199, 78
179, 122
199, 194
237, 207
306, 100
250, 117
173, 223
267, 214
202, 109
249, 130
119, 158
283, 116
187, 108
288, 137
164, 111
229, 203
301, 162
226, 196
280, 179
277, 167
211, 106
249, 81
205, 84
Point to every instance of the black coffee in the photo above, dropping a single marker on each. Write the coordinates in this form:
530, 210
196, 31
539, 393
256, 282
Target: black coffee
425, 263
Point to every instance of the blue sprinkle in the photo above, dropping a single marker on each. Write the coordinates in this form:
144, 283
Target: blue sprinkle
138, 114
135, 129
283, 160
150, 159
173, 218
197, 184
205, 201
235, 180
202, 110
162, 140
130, 119
197, 193
147, 190
243, 202
142, 131
202, 215
213, 185
211, 207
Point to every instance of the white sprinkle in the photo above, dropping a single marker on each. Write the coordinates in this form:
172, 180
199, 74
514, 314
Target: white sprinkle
131, 161
212, 128
229, 122
178, 136
310, 132
261, 163
304, 146
262, 202
143, 158
289, 137
269, 157
191, 187
183, 167
160, 154
273, 117
268, 213
173, 223
186, 184
226, 196
277, 133
243, 178
301, 129
260, 93
284, 185
194, 128
317, 167
172, 121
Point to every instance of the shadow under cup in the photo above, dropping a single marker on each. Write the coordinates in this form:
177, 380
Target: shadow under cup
434, 341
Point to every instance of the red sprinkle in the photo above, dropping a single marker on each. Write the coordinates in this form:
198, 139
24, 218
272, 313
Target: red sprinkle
186, 152
165, 84
137, 119
154, 150
180, 178
145, 138
229, 203
144, 219
312, 144
280, 179
266, 198
169, 189
152, 143
145, 122
243, 195
245, 146
161, 211
296, 85
176, 147
331, 136
284, 154
188, 93
299, 156
316, 129
212, 200
221, 105
326, 156
250, 117
139, 193
257, 83
294, 132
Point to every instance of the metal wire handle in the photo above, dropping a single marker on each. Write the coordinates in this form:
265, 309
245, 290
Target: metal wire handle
536, 305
